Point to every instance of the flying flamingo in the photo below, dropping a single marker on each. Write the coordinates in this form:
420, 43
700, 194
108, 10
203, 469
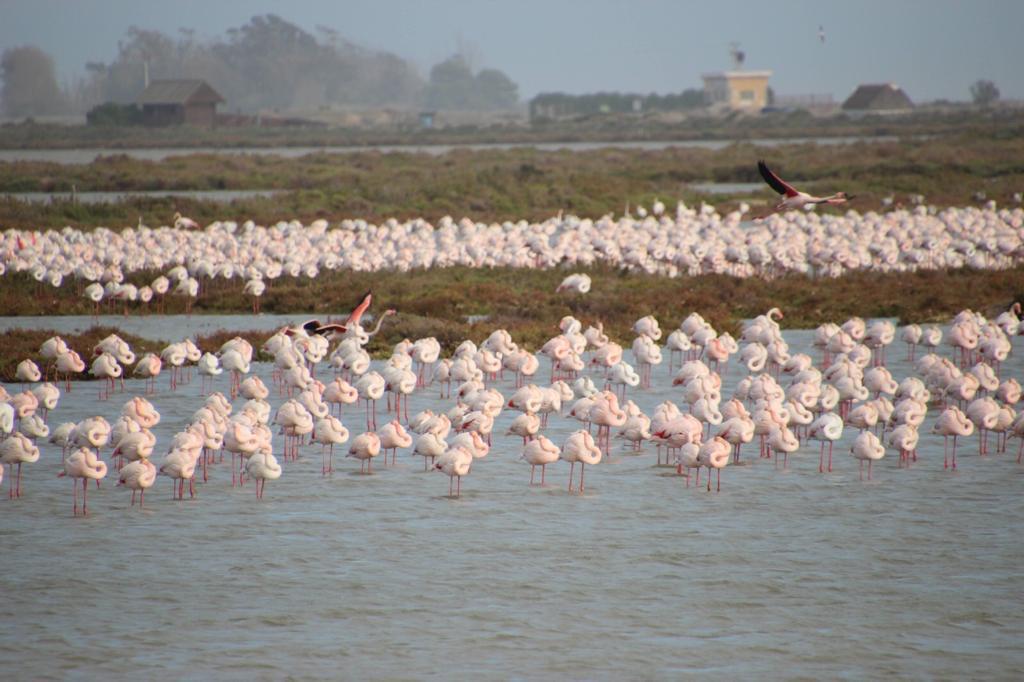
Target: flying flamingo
792, 198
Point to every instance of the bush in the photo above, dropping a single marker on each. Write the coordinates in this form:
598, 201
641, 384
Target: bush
113, 114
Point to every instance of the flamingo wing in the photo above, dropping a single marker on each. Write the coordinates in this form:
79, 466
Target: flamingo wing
330, 329
775, 182
353, 318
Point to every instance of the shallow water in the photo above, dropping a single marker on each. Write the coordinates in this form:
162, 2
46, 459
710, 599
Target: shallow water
785, 573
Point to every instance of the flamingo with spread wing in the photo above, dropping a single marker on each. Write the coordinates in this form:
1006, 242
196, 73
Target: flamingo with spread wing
793, 198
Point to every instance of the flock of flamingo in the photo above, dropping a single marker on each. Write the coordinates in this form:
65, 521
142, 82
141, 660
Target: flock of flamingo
101, 263
784, 402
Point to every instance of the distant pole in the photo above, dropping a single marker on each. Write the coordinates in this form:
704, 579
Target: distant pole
145, 74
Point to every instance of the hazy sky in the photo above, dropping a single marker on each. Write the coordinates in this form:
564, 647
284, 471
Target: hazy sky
933, 48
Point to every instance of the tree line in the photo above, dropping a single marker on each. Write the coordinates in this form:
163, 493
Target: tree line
268, 63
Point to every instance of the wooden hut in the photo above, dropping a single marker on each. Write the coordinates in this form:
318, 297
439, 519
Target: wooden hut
178, 102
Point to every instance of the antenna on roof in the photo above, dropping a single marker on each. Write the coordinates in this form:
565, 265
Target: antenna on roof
738, 56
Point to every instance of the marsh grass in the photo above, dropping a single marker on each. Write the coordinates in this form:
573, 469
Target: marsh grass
513, 184
19, 344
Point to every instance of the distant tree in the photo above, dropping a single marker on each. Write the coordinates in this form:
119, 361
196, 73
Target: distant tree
451, 85
496, 90
267, 63
984, 92
30, 83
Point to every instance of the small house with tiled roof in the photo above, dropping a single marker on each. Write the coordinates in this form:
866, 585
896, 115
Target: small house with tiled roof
177, 102
884, 98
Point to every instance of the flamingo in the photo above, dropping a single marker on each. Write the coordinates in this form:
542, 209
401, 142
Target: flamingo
263, 467
183, 223
83, 464
365, 447
792, 198
329, 431
430, 444
456, 463
138, 476
952, 422
540, 451
28, 372
148, 368
905, 438
67, 364
827, 427
777, 437
17, 449
106, 368
209, 367
393, 436
715, 454
580, 447
578, 283
867, 447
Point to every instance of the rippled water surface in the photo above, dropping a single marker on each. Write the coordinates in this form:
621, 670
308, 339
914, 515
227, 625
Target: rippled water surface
785, 573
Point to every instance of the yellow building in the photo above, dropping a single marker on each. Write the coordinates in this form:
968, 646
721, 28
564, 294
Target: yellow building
743, 90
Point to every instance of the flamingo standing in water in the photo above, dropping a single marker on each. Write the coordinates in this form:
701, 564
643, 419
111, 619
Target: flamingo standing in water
580, 447
16, 449
365, 447
456, 462
867, 447
793, 198
149, 369
83, 464
715, 454
138, 476
263, 467
329, 431
827, 427
952, 422
540, 451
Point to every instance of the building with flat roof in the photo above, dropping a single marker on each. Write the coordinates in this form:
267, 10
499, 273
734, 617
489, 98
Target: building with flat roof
737, 90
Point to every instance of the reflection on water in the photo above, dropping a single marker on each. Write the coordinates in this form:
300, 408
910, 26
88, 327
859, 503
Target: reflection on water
789, 572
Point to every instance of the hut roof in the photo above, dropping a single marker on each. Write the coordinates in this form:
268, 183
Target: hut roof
179, 92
